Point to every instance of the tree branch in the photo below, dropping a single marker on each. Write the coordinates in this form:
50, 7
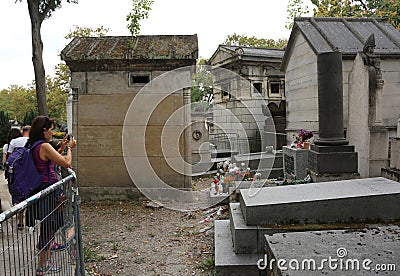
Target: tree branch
47, 8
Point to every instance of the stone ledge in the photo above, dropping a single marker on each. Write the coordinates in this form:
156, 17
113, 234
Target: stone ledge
327, 177
392, 174
358, 200
109, 193
227, 263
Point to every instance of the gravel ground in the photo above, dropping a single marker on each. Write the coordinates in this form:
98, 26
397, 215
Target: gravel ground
131, 238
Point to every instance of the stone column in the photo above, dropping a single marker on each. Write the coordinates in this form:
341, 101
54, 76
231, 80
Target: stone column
69, 111
187, 132
330, 100
331, 158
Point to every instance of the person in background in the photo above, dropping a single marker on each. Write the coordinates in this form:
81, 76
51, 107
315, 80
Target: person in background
20, 141
45, 157
12, 134
6, 199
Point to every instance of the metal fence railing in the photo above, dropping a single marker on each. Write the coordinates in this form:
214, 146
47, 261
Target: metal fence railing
225, 141
51, 229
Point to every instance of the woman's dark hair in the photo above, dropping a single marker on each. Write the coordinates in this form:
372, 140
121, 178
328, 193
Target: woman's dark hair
39, 124
14, 133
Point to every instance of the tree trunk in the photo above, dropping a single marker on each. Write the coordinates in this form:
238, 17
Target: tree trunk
37, 55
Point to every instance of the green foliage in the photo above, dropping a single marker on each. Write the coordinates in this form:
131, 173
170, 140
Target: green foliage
87, 31
16, 100
195, 94
140, 11
202, 83
20, 102
29, 116
351, 8
91, 256
208, 263
359, 8
245, 41
4, 127
57, 94
295, 9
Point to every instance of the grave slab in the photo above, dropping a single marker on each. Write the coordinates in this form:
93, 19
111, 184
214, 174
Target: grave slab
227, 263
248, 239
357, 200
351, 249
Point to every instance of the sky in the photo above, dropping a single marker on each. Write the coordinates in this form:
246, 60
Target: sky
211, 20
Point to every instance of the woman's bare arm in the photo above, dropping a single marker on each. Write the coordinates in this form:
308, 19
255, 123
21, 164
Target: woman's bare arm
47, 152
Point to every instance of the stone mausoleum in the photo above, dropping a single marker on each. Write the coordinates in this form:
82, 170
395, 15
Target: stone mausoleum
106, 75
370, 50
238, 102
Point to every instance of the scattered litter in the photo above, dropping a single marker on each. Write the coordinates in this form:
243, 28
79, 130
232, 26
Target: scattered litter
205, 229
115, 256
154, 205
189, 215
214, 214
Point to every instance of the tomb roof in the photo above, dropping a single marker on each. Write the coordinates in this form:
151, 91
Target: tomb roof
143, 47
346, 35
246, 53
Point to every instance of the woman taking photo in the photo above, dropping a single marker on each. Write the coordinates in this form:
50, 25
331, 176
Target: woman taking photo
46, 157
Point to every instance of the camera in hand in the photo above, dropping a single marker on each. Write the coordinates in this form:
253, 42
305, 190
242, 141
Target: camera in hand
69, 137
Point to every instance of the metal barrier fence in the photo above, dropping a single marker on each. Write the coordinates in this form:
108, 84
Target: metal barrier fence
225, 141
51, 230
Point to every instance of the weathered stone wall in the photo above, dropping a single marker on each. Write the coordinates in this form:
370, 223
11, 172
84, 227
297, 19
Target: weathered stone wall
358, 132
395, 156
301, 84
244, 117
101, 101
370, 141
391, 96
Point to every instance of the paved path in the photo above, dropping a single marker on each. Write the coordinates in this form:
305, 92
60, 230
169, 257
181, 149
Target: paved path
5, 196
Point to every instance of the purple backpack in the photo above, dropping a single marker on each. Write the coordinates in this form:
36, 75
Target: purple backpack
21, 173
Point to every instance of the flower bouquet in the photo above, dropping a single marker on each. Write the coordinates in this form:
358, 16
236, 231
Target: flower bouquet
302, 137
228, 173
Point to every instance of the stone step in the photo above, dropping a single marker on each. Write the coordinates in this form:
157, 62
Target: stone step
356, 200
227, 262
246, 239
250, 239
376, 243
